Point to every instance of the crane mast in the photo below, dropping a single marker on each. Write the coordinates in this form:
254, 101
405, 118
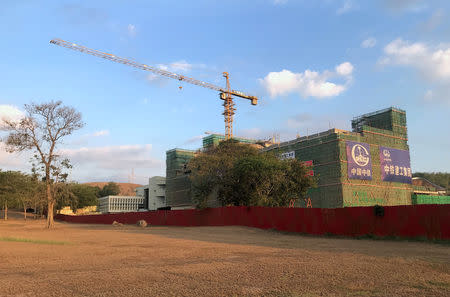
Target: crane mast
226, 94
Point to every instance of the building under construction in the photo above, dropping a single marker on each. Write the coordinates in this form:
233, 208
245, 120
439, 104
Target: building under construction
367, 166
378, 171
178, 186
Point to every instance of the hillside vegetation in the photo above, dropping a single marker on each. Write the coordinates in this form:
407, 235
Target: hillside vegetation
439, 178
126, 189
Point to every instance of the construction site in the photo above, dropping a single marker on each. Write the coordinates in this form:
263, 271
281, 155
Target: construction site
383, 133
225, 148
367, 166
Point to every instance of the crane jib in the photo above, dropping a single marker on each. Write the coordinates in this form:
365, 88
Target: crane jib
228, 104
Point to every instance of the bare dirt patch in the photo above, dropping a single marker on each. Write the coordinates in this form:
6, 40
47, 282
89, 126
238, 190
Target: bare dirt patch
106, 260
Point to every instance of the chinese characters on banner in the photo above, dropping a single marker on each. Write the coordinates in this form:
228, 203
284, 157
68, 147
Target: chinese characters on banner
359, 163
395, 165
309, 164
291, 155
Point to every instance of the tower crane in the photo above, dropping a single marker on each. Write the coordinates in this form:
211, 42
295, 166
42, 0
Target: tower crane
226, 94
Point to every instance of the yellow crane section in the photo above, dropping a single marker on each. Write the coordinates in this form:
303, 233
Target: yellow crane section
226, 94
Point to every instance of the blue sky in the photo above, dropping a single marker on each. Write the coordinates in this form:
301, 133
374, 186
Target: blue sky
313, 64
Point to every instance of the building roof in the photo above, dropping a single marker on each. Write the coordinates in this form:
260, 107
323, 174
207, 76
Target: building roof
421, 181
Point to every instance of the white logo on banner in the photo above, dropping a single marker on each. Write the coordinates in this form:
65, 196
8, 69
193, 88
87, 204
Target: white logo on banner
288, 155
387, 155
360, 155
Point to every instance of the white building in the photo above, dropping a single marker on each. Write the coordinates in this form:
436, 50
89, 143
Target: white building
110, 204
154, 193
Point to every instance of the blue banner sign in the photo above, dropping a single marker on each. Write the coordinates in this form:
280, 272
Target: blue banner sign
359, 163
395, 165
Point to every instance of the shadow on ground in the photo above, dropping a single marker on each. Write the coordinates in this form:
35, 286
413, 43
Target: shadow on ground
426, 251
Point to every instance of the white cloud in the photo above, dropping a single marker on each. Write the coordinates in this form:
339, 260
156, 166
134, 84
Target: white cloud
347, 6
308, 83
194, 139
428, 95
100, 133
113, 157
369, 42
106, 163
11, 113
14, 161
432, 62
131, 29
153, 77
98, 163
86, 138
344, 69
177, 66
279, 2
180, 66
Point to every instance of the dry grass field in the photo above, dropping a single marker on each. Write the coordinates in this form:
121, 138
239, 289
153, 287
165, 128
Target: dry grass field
100, 260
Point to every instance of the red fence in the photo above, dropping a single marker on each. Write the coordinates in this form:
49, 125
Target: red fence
431, 221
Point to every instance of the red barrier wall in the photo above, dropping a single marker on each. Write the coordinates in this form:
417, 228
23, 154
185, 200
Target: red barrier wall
431, 221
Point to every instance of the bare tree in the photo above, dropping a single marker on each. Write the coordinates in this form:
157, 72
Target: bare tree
42, 130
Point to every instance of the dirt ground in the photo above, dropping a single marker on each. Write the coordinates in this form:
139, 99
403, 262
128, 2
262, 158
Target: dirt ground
104, 260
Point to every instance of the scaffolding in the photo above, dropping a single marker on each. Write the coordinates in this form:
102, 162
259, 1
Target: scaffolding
327, 150
178, 185
429, 199
391, 119
213, 140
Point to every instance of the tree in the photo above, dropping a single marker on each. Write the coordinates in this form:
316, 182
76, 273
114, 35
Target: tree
38, 197
211, 170
65, 196
42, 130
242, 175
86, 195
8, 186
17, 190
439, 178
25, 187
110, 189
265, 180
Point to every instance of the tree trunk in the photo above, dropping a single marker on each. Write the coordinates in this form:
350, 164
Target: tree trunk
5, 214
25, 211
50, 205
50, 221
